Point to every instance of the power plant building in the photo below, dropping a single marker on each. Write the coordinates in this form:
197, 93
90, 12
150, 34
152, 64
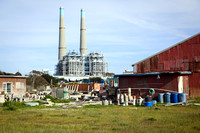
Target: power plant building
75, 64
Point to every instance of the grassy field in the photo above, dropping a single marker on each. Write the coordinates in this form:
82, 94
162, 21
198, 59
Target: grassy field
101, 119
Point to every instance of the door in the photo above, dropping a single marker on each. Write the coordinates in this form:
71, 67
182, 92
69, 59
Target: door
7, 87
180, 84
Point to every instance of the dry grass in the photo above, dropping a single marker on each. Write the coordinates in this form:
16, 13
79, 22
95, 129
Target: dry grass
102, 119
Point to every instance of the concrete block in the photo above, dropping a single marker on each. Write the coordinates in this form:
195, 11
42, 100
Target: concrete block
2, 99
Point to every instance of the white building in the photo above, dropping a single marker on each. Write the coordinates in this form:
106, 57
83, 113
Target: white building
74, 64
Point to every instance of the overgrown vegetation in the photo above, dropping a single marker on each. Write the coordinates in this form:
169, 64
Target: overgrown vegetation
51, 80
37, 79
114, 119
5, 73
12, 106
55, 100
195, 100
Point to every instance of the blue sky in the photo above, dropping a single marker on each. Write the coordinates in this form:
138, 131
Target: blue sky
125, 31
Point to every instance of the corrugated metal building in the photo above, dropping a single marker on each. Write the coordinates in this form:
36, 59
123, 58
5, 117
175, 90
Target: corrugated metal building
176, 68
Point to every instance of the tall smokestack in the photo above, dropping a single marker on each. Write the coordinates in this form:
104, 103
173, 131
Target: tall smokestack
83, 47
62, 45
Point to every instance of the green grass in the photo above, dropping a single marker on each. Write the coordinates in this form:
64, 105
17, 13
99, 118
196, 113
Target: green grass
96, 118
97, 106
13, 106
196, 100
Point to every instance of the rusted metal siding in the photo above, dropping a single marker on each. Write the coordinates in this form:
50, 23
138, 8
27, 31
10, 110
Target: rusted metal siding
141, 85
165, 82
194, 85
81, 87
182, 57
186, 85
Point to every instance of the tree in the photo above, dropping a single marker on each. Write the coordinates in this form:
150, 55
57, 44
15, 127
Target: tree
50, 79
35, 72
36, 80
4, 73
40, 81
18, 74
110, 74
96, 79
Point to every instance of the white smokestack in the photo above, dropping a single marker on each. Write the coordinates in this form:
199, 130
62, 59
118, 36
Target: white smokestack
83, 47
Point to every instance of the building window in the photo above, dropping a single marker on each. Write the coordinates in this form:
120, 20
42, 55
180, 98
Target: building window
19, 85
7, 87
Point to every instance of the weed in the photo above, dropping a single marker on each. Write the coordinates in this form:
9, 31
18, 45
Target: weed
157, 108
55, 100
11, 108
123, 124
56, 115
114, 120
196, 100
39, 115
151, 119
116, 129
197, 128
94, 128
84, 113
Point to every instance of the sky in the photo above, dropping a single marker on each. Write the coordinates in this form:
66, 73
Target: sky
125, 31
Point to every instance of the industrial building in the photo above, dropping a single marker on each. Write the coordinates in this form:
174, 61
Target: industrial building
75, 64
175, 69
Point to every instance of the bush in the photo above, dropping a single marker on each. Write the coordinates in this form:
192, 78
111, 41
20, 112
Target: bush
56, 100
9, 105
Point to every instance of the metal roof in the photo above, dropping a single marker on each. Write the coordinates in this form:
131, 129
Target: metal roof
166, 49
152, 74
11, 76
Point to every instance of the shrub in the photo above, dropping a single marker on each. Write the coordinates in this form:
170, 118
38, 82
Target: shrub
151, 119
56, 100
9, 105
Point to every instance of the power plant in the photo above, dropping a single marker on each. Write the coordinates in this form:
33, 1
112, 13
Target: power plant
75, 64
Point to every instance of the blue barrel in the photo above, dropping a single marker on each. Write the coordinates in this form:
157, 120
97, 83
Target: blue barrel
174, 97
182, 97
148, 104
161, 97
154, 102
148, 99
167, 97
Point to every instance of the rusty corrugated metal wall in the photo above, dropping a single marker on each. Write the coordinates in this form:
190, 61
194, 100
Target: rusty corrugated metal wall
167, 82
194, 85
184, 56
141, 84
82, 87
